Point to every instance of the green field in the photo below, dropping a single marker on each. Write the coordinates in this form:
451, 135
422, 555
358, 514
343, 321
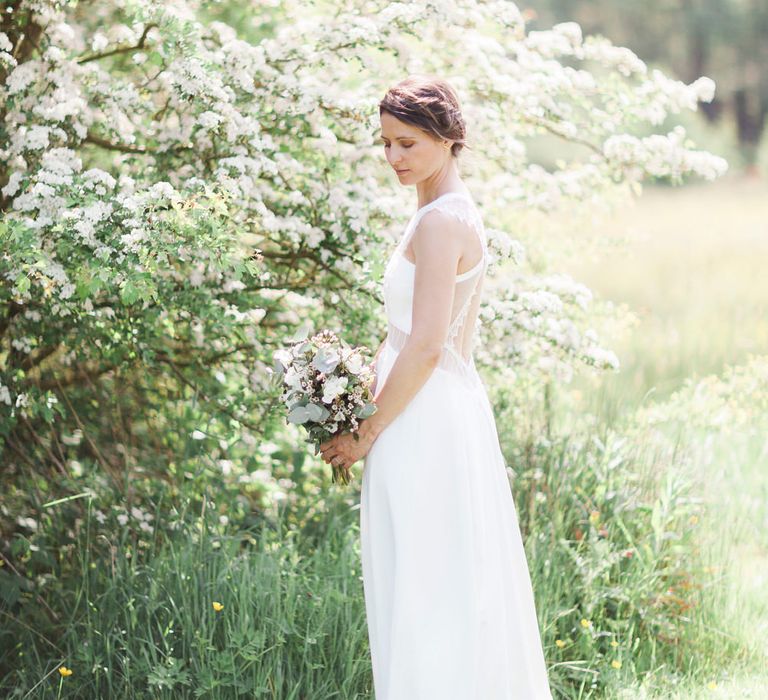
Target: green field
692, 267
694, 271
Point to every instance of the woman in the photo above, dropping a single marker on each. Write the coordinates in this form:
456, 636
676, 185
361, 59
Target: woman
450, 607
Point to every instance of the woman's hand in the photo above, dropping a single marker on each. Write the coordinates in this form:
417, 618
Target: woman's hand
344, 450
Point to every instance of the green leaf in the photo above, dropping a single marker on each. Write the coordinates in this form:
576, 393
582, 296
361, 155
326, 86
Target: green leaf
368, 410
129, 293
23, 283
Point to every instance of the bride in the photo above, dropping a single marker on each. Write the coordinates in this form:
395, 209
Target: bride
449, 602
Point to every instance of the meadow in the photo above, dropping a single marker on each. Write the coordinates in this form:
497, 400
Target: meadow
692, 267
643, 506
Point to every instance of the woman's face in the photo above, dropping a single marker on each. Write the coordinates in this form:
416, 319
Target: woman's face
413, 154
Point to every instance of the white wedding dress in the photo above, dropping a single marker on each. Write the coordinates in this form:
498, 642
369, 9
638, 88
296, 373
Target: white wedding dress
448, 595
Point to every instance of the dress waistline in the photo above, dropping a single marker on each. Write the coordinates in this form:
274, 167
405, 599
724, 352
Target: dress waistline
450, 360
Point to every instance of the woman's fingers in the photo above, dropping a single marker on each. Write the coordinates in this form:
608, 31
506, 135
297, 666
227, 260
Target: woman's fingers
332, 450
329, 455
325, 446
337, 458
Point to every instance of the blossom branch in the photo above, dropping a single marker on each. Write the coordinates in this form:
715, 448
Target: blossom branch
122, 49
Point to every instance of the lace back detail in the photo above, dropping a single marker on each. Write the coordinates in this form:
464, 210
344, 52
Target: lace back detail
456, 356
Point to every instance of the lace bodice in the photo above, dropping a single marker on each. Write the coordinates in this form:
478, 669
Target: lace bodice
399, 285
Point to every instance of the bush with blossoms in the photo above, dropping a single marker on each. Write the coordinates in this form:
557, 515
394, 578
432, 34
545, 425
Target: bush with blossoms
181, 195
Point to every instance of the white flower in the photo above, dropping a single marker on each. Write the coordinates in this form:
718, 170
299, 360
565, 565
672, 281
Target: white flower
292, 378
13, 184
570, 30
210, 120
326, 359
704, 88
23, 75
354, 363
283, 357
197, 276
99, 42
332, 387
232, 285
602, 358
37, 138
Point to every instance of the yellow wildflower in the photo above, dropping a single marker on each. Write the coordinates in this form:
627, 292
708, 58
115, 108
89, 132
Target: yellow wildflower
560, 643
594, 516
585, 622
64, 671
614, 643
616, 663
712, 685
218, 607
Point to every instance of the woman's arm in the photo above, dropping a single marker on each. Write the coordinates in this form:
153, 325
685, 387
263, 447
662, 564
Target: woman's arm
437, 248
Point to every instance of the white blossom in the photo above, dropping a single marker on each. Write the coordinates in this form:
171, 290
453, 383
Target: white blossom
333, 387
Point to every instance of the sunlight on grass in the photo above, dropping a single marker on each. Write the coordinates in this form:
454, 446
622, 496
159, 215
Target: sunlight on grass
693, 271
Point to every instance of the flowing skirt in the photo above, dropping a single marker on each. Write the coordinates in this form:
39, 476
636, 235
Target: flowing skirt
449, 602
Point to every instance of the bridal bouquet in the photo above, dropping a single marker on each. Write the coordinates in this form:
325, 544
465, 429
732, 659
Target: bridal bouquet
326, 388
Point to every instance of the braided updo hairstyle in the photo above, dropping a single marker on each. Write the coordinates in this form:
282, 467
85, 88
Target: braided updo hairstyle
430, 104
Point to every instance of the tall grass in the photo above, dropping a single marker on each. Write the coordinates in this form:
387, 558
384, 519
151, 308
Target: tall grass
139, 622
691, 267
621, 574
141, 625
611, 553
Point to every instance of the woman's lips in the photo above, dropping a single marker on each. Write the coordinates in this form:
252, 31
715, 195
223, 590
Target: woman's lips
400, 172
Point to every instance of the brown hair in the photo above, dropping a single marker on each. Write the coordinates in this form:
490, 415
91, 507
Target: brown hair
430, 104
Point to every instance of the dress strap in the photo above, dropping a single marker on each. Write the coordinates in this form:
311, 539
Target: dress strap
457, 204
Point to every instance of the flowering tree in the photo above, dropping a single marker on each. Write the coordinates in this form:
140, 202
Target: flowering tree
180, 195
